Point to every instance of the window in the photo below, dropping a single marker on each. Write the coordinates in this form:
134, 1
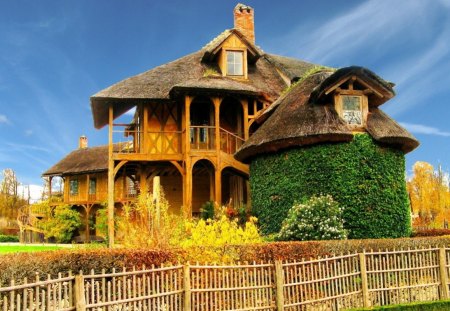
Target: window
73, 187
352, 110
235, 63
92, 186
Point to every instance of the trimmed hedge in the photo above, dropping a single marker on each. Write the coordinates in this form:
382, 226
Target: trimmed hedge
8, 238
430, 232
443, 305
21, 265
368, 181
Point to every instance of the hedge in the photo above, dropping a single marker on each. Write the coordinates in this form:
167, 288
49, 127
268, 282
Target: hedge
8, 238
20, 265
430, 232
367, 179
443, 305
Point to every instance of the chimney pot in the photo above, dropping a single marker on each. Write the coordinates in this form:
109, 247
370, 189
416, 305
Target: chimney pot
83, 142
244, 21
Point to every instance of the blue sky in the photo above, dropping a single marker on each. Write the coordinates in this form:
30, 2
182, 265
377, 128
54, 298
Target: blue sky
55, 54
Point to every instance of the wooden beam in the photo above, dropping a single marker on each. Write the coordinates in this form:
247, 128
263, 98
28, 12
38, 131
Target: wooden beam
119, 166
147, 157
179, 167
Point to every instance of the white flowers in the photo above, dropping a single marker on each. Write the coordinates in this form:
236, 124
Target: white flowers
320, 218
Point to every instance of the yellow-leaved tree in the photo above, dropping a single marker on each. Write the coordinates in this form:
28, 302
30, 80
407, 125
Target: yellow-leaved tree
430, 196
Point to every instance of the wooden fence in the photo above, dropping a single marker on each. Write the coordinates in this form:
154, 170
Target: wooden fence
334, 283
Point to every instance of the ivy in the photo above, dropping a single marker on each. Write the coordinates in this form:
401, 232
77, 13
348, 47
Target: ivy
365, 178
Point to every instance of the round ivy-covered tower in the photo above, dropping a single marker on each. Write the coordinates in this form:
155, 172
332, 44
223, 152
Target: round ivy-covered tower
326, 135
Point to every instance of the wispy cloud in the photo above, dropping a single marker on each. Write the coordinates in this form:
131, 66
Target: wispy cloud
424, 129
4, 119
409, 46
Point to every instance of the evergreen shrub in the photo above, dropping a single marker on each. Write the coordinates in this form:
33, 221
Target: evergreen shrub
365, 178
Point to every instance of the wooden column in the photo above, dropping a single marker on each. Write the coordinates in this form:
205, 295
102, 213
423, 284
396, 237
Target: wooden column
50, 179
87, 187
143, 180
187, 178
157, 199
110, 181
187, 124
216, 102
218, 184
187, 189
87, 234
218, 170
244, 104
144, 148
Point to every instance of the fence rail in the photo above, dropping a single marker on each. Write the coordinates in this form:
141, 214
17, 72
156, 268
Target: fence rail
332, 283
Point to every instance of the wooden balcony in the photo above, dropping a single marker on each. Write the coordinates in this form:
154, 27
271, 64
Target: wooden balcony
165, 145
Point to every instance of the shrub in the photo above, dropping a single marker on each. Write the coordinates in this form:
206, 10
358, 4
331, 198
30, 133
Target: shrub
208, 240
61, 224
145, 223
365, 178
320, 218
207, 210
9, 238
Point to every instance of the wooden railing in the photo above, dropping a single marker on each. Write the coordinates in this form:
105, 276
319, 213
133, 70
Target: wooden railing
334, 283
202, 137
230, 142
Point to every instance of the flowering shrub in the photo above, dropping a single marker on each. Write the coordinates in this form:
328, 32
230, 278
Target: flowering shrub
208, 240
320, 218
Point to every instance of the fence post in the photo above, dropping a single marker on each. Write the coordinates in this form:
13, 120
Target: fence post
279, 283
364, 283
443, 273
187, 287
80, 300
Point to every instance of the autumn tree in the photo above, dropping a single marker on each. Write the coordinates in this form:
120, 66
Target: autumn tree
10, 201
429, 194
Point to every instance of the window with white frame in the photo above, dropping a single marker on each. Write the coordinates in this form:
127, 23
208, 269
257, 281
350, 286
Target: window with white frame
235, 63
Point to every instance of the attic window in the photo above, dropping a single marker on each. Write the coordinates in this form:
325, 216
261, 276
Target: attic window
352, 110
235, 63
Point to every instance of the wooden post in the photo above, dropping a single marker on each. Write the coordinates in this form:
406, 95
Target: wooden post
156, 199
364, 284
279, 283
187, 287
244, 103
110, 181
217, 102
218, 183
443, 273
80, 300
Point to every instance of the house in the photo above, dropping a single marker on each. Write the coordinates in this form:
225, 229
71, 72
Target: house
192, 116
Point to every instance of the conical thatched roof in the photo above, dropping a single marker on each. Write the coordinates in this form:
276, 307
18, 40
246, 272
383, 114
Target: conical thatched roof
306, 116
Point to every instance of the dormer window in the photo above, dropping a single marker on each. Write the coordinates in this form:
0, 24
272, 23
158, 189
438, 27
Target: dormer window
235, 63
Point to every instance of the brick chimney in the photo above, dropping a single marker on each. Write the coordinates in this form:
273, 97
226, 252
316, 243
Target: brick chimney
83, 142
244, 21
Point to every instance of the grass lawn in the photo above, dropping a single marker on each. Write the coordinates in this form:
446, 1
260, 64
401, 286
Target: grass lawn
5, 249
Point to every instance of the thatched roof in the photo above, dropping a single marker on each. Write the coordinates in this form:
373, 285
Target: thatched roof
386, 130
85, 160
303, 118
188, 73
292, 68
384, 88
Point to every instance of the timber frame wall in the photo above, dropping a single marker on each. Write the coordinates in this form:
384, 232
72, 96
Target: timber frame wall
164, 133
